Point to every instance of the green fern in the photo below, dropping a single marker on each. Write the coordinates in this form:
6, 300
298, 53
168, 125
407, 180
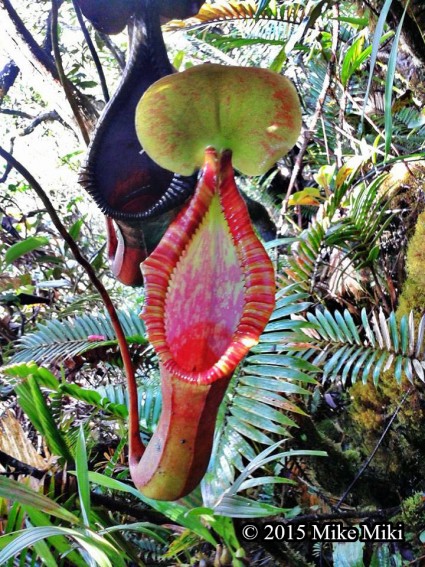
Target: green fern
258, 401
347, 351
359, 232
236, 506
58, 340
249, 37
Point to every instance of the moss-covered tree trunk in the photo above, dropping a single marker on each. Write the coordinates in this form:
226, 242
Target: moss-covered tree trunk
414, 23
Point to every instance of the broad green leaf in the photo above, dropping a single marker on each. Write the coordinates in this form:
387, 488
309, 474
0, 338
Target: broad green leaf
308, 196
172, 510
253, 112
18, 492
240, 507
375, 48
24, 247
34, 404
60, 543
389, 83
82, 476
75, 229
97, 548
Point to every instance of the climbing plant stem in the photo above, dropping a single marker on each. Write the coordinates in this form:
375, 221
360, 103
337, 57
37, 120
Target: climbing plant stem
134, 437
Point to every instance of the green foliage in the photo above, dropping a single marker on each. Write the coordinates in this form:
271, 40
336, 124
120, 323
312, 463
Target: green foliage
96, 543
413, 513
59, 340
32, 401
340, 322
24, 247
252, 409
344, 355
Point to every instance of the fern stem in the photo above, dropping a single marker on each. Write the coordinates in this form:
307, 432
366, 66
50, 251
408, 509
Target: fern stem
136, 446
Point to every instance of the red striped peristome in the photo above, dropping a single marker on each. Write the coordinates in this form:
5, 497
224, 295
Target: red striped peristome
174, 265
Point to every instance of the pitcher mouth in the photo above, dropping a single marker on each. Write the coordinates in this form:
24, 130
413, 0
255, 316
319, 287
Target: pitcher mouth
209, 284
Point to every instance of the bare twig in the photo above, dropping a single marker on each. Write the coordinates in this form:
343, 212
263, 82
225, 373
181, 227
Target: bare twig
39, 65
347, 514
136, 446
117, 53
308, 133
8, 169
49, 116
373, 453
14, 112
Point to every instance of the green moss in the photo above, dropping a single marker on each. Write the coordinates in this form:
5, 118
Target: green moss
413, 512
412, 296
328, 430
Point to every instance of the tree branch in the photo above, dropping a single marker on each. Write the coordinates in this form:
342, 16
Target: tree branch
40, 68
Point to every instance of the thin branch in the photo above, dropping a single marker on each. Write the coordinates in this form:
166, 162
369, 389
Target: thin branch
49, 116
369, 459
118, 505
62, 77
93, 51
117, 53
347, 514
136, 445
308, 133
8, 169
20, 467
39, 66
14, 112
39, 54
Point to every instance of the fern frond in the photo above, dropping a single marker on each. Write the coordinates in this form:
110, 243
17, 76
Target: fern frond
218, 13
347, 351
303, 264
230, 504
359, 232
58, 340
229, 26
259, 399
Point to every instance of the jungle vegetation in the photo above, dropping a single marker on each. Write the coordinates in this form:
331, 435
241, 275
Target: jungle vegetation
324, 420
